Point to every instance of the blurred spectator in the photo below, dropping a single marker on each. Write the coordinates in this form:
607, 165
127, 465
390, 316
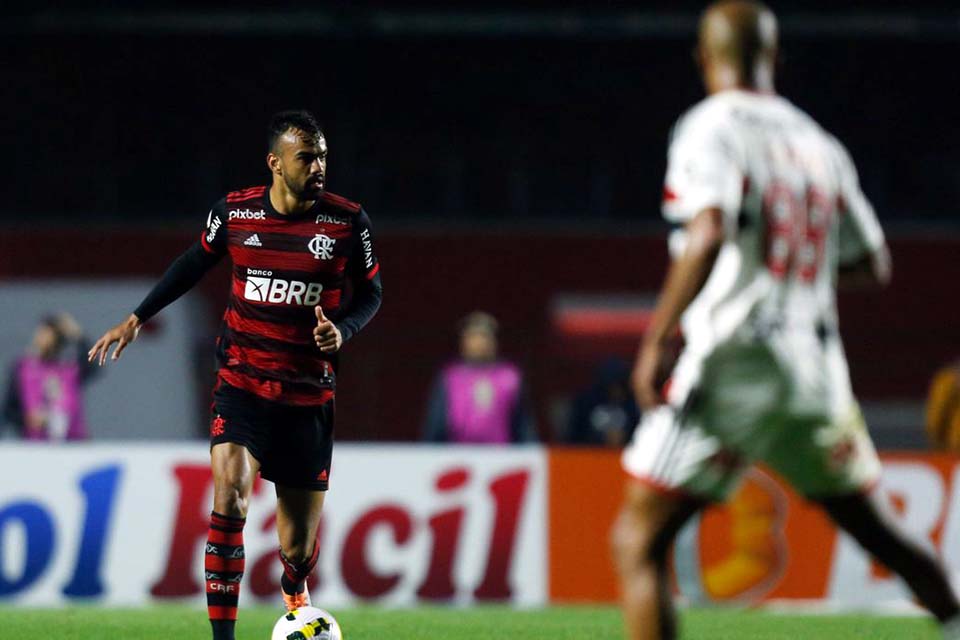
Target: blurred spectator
479, 399
606, 413
44, 398
943, 409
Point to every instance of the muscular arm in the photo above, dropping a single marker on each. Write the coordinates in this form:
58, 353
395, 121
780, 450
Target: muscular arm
185, 272
685, 277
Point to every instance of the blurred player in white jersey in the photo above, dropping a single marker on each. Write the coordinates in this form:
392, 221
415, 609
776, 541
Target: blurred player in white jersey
773, 218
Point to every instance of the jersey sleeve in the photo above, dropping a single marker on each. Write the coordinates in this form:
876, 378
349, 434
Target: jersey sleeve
859, 232
703, 169
364, 258
214, 236
363, 269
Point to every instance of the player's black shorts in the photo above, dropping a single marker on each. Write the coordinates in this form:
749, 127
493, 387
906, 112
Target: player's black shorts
293, 444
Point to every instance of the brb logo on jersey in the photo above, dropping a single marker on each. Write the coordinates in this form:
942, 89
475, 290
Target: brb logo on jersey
321, 247
280, 291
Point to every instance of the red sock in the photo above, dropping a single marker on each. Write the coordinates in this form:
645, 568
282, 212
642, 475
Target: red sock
223, 568
294, 576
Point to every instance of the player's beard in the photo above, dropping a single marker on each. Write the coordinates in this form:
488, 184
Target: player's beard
307, 191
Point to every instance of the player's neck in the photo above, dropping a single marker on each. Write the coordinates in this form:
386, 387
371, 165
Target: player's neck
287, 204
724, 77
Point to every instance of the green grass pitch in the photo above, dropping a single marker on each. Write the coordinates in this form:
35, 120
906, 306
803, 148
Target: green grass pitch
479, 623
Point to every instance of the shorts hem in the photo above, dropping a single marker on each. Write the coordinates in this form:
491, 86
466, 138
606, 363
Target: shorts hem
243, 442
310, 485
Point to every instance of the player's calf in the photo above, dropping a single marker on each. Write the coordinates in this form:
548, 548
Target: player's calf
641, 539
293, 581
860, 516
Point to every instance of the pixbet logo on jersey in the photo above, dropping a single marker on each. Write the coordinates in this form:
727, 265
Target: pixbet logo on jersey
279, 291
247, 214
329, 219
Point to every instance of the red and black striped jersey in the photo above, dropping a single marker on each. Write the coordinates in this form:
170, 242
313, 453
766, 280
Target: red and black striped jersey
283, 266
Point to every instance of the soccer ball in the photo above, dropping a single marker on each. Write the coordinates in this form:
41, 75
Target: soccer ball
307, 623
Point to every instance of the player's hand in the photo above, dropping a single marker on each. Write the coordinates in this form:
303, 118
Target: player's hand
646, 374
122, 334
326, 334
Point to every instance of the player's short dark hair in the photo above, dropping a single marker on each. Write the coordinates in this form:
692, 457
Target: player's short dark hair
284, 121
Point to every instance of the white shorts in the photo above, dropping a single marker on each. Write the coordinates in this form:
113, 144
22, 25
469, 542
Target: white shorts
786, 403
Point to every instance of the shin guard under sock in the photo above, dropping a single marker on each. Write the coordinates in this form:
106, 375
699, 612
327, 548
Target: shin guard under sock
294, 578
223, 568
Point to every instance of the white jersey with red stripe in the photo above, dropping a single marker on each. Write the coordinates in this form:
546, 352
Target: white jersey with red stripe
763, 376
792, 210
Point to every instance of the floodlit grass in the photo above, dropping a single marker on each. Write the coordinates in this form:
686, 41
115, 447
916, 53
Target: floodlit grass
479, 623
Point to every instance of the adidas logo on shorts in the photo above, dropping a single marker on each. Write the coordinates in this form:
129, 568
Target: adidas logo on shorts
253, 241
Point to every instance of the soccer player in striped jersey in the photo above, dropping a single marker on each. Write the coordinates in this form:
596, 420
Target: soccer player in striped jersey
772, 217
305, 280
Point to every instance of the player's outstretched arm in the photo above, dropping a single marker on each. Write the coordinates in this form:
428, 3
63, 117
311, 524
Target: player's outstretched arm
183, 274
121, 335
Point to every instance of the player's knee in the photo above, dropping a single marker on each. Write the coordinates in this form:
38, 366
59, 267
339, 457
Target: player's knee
296, 551
232, 495
231, 502
632, 542
642, 535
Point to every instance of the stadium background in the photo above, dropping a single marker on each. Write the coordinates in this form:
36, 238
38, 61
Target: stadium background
511, 157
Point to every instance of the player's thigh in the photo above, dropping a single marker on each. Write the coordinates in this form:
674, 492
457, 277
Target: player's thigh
827, 456
239, 424
299, 464
300, 449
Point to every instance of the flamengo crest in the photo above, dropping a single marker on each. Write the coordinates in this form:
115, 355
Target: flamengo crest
321, 247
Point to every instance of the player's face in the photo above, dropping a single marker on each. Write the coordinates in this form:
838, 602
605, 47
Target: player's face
302, 163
